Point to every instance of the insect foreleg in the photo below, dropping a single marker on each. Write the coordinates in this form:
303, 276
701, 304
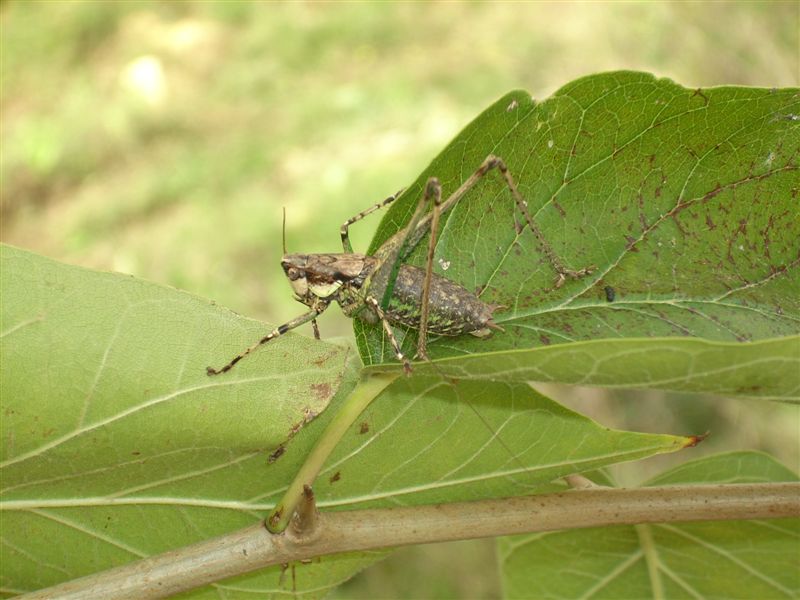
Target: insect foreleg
296, 322
434, 190
344, 230
389, 333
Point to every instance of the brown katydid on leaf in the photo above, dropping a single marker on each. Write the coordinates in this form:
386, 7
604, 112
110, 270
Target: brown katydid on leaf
381, 289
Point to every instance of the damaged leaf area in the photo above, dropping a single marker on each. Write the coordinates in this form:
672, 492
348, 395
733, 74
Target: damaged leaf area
684, 202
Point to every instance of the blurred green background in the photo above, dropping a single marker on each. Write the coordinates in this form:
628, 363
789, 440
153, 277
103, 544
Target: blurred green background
162, 139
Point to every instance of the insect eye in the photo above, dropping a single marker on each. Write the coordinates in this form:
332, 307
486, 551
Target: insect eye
294, 274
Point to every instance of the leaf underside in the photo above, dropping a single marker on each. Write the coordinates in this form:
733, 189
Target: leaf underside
116, 445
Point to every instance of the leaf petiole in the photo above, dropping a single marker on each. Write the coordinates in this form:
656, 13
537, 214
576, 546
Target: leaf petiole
367, 389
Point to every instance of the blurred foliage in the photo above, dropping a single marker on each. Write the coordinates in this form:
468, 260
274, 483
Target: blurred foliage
162, 140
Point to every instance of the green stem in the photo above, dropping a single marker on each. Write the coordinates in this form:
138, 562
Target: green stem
370, 385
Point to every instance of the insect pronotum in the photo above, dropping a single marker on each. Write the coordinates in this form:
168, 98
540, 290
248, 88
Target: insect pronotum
381, 288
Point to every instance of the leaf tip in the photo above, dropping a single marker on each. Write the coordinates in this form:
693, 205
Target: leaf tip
693, 440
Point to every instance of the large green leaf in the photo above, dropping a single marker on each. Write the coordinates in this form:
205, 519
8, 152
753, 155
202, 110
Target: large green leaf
684, 200
116, 445
427, 441
720, 559
436, 441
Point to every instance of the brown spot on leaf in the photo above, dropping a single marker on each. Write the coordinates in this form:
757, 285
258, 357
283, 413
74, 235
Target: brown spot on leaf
276, 454
321, 390
631, 246
699, 92
308, 416
336, 477
712, 193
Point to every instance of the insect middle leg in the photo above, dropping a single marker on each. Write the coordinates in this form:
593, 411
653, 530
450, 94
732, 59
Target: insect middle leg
389, 333
278, 331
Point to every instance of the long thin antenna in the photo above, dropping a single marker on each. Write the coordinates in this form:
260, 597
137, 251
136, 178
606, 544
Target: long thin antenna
283, 231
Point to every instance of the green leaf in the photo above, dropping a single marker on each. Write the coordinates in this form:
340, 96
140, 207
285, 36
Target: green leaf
425, 441
721, 559
768, 369
429, 440
684, 200
115, 443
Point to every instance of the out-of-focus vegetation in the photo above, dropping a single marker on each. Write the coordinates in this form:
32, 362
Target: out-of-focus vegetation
162, 139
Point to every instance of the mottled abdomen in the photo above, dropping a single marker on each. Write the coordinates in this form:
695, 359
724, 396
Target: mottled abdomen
453, 309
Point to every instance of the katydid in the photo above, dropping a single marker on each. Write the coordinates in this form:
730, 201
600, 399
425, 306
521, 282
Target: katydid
381, 288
